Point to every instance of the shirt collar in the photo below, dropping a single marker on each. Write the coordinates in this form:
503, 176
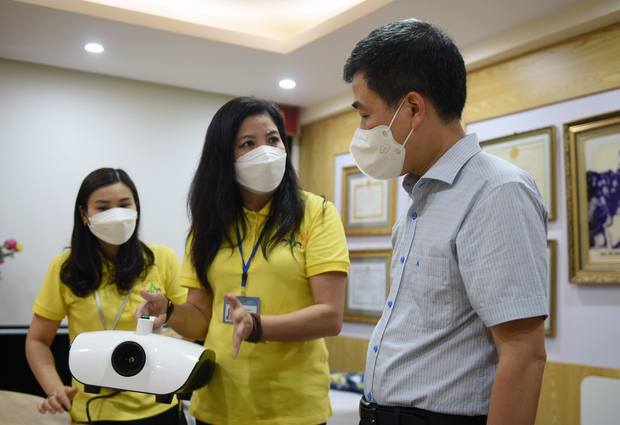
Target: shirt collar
263, 212
450, 163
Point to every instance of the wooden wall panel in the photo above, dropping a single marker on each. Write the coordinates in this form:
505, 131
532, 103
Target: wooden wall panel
561, 392
347, 354
320, 143
575, 68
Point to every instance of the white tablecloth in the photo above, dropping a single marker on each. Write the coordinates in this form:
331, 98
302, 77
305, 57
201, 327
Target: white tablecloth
345, 405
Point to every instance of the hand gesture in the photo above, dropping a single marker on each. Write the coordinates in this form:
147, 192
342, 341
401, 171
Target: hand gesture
58, 400
154, 304
242, 322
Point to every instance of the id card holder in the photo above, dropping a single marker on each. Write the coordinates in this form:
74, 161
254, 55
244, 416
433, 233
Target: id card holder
251, 305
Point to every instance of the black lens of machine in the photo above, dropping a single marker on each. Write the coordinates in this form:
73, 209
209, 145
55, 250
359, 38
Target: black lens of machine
128, 358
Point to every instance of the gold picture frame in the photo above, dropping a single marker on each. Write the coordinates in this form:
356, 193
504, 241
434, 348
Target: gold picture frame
534, 152
368, 285
551, 286
592, 157
368, 205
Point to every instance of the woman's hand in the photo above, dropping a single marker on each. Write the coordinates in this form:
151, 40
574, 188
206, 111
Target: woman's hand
58, 401
154, 304
242, 322
41, 360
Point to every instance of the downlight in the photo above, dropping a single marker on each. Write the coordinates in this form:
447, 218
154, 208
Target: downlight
287, 84
94, 48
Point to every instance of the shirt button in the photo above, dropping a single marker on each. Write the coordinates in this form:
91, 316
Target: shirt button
376, 347
402, 259
390, 304
414, 215
368, 396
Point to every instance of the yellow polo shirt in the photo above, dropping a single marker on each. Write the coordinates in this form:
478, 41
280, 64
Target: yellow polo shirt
277, 383
55, 301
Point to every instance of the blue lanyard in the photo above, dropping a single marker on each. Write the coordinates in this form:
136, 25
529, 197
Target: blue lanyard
246, 266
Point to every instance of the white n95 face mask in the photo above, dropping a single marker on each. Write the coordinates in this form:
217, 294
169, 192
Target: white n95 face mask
261, 170
376, 152
114, 226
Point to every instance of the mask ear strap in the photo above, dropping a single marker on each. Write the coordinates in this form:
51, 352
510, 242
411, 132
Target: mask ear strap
395, 114
407, 139
405, 142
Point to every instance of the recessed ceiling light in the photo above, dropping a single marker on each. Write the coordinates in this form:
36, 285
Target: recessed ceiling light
287, 84
94, 47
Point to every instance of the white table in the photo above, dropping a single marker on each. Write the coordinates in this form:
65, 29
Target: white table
345, 405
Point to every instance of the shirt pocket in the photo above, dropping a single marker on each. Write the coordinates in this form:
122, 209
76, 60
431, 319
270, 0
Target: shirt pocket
428, 295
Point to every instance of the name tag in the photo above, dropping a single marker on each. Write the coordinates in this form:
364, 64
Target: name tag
251, 305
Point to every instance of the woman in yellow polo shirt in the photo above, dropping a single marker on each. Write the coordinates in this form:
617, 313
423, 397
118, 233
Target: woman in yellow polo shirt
266, 265
96, 285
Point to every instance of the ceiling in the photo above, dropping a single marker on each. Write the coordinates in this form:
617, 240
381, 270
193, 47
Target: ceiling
232, 56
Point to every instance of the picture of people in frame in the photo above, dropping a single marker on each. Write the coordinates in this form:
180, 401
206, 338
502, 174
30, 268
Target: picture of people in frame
603, 195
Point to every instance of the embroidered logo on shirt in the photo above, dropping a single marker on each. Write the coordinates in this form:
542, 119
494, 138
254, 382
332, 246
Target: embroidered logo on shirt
152, 284
296, 242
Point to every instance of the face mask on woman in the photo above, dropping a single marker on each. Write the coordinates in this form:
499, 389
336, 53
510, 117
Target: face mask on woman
261, 170
114, 226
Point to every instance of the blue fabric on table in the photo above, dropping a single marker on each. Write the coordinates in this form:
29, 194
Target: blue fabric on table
347, 382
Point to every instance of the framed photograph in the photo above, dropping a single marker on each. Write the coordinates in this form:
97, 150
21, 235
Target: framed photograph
592, 150
368, 205
533, 152
551, 286
368, 285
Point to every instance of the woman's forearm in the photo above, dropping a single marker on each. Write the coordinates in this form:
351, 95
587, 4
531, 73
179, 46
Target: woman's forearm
42, 364
189, 322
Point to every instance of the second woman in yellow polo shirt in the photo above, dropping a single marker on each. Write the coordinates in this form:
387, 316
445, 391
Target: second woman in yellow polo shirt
266, 265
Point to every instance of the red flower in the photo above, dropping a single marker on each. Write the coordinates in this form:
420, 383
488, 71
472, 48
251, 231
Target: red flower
10, 244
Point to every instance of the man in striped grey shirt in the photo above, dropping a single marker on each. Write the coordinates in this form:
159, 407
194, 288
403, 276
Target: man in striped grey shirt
461, 338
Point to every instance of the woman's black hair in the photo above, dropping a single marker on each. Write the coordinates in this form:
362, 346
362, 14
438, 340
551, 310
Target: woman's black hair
214, 200
82, 271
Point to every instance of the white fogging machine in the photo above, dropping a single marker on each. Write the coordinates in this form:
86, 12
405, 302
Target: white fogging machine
140, 361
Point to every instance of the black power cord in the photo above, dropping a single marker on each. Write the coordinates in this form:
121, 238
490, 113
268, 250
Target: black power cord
97, 398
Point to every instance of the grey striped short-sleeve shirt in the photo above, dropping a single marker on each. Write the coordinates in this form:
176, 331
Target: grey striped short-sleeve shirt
469, 253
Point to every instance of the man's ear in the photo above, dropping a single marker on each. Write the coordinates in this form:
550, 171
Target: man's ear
416, 104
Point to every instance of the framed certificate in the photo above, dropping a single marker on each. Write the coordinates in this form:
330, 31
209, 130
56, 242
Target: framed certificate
368, 205
533, 152
368, 285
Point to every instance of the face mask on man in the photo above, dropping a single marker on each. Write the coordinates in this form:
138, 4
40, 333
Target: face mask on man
376, 152
261, 170
114, 226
